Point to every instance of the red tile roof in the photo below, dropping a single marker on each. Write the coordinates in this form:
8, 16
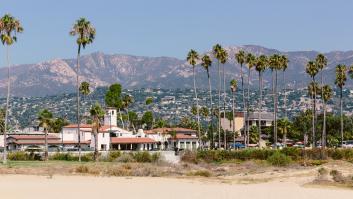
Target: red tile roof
168, 130
182, 136
33, 137
42, 142
105, 128
137, 140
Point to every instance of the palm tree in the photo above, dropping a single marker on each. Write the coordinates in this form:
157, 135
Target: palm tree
192, 58
283, 66
45, 118
217, 53
274, 65
85, 33
9, 28
312, 70
340, 82
326, 96
250, 60
223, 60
240, 58
206, 63
321, 62
97, 113
233, 88
261, 64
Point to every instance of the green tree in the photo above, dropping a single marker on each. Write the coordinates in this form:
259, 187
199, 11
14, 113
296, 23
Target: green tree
147, 119
261, 64
223, 60
2, 120
326, 96
45, 118
57, 124
9, 28
312, 70
113, 99
321, 62
84, 91
97, 113
233, 88
340, 82
250, 60
192, 58
85, 33
275, 65
283, 65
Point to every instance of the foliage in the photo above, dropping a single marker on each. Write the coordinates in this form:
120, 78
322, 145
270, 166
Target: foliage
20, 156
113, 96
279, 159
85, 32
147, 119
57, 124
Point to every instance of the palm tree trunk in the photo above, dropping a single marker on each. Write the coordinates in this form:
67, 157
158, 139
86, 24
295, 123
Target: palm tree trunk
211, 108
96, 145
244, 105
274, 110
341, 114
314, 114
128, 119
247, 139
78, 103
323, 142
197, 106
121, 118
219, 106
233, 106
275, 113
46, 145
224, 106
7, 105
260, 105
285, 99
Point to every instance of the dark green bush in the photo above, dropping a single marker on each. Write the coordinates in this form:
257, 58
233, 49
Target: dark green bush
143, 156
279, 159
113, 155
63, 157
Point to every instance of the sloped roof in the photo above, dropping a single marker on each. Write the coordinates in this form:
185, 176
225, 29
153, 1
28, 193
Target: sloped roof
136, 140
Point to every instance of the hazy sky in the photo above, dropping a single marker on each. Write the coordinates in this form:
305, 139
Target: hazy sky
171, 28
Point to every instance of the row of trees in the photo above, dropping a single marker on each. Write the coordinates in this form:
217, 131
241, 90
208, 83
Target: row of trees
261, 63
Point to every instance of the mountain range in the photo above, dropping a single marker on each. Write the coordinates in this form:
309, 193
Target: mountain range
99, 69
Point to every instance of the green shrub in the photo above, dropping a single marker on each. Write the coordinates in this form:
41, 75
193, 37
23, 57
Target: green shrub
292, 152
20, 156
125, 158
63, 157
143, 156
155, 157
87, 157
279, 159
113, 155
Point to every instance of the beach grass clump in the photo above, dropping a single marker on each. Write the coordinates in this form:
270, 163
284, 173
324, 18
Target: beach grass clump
63, 157
112, 156
202, 173
279, 159
82, 169
191, 157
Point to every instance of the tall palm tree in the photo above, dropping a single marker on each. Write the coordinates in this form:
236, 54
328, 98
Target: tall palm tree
192, 58
45, 118
274, 65
283, 66
240, 58
206, 63
312, 70
260, 66
9, 28
250, 60
326, 96
97, 113
85, 33
223, 60
217, 53
340, 82
233, 88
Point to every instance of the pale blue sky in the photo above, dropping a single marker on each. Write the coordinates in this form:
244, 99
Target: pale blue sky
171, 28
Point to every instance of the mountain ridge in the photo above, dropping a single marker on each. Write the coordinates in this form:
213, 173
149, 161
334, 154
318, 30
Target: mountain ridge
99, 69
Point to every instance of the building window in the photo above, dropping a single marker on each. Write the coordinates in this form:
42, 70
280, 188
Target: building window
112, 112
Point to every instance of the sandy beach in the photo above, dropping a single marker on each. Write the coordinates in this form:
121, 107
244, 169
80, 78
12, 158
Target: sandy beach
38, 187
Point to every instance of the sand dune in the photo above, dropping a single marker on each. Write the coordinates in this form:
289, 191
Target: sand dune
67, 187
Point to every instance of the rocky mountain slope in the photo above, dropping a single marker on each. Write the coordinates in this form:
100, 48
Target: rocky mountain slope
59, 75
